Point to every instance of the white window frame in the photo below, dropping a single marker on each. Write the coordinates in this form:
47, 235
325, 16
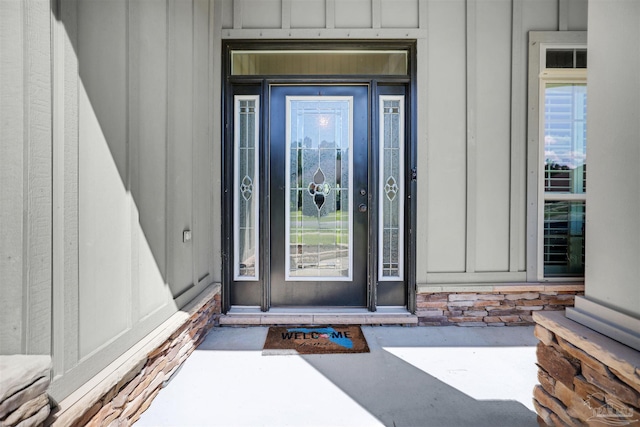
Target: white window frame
539, 76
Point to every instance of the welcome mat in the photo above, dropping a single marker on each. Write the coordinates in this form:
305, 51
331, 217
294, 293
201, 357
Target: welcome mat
315, 340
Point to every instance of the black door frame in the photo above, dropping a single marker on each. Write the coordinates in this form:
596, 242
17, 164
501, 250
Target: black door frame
259, 291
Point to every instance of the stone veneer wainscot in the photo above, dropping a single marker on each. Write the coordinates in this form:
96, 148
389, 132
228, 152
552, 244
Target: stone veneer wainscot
132, 382
491, 305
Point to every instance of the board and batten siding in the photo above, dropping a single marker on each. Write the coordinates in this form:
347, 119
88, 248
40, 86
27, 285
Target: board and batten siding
471, 109
107, 158
25, 177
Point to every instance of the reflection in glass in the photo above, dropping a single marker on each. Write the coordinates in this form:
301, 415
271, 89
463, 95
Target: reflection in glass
564, 229
318, 222
246, 188
391, 183
565, 138
319, 62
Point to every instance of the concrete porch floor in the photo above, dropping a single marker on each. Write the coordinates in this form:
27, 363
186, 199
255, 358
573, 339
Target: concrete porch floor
413, 376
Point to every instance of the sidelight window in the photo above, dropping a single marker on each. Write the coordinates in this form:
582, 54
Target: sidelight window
246, 185
391, 187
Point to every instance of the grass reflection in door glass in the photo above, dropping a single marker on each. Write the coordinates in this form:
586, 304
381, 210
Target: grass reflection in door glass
318, 166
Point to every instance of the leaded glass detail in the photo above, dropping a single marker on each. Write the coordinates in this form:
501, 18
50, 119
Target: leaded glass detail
318, 220
391, 188
246, 188
391, 209
319, 189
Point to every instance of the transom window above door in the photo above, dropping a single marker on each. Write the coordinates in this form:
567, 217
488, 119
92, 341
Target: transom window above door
319, 62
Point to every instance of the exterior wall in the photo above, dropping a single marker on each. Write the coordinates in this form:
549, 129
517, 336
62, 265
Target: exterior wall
126, 390
612, 294
472, 98
111, 111
106, 159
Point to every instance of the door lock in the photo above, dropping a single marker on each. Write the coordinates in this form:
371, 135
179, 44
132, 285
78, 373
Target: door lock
362, 207
363, 192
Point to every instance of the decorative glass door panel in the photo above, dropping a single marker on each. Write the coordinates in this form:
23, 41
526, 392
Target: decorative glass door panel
318, 209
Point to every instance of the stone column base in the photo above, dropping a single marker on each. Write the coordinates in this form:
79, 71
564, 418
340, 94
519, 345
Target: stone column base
585, 378
24, 380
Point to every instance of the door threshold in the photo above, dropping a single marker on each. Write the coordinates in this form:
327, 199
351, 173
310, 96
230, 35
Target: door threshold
252, 316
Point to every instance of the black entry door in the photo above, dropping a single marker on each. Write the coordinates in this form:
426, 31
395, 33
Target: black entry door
318, 198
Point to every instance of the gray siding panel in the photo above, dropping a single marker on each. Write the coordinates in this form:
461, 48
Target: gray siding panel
105, 226
204, 190
309, 14
148, 24
399, 13
445, 174
180, 139
577, 15
540, 15
39, 174
353, 14
66, 291
26, 177
12, 199
493, 106
261, 13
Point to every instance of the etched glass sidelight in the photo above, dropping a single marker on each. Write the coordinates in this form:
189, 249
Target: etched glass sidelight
318, 207
390, 257
246, 266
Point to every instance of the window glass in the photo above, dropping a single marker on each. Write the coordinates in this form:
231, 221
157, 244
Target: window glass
566, 58
559, 58
318, 62
581, 58
564, 228
565, 137
565, 169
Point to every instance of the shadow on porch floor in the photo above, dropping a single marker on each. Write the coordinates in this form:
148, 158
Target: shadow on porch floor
413, 376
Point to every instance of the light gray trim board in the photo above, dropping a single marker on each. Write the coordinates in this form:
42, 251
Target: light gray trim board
478, 277
517, 204
471, 150
612, 323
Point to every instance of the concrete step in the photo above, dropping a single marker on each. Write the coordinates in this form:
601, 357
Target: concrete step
252, 316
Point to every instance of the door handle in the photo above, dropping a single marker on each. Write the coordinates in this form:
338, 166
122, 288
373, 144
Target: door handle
362, 207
